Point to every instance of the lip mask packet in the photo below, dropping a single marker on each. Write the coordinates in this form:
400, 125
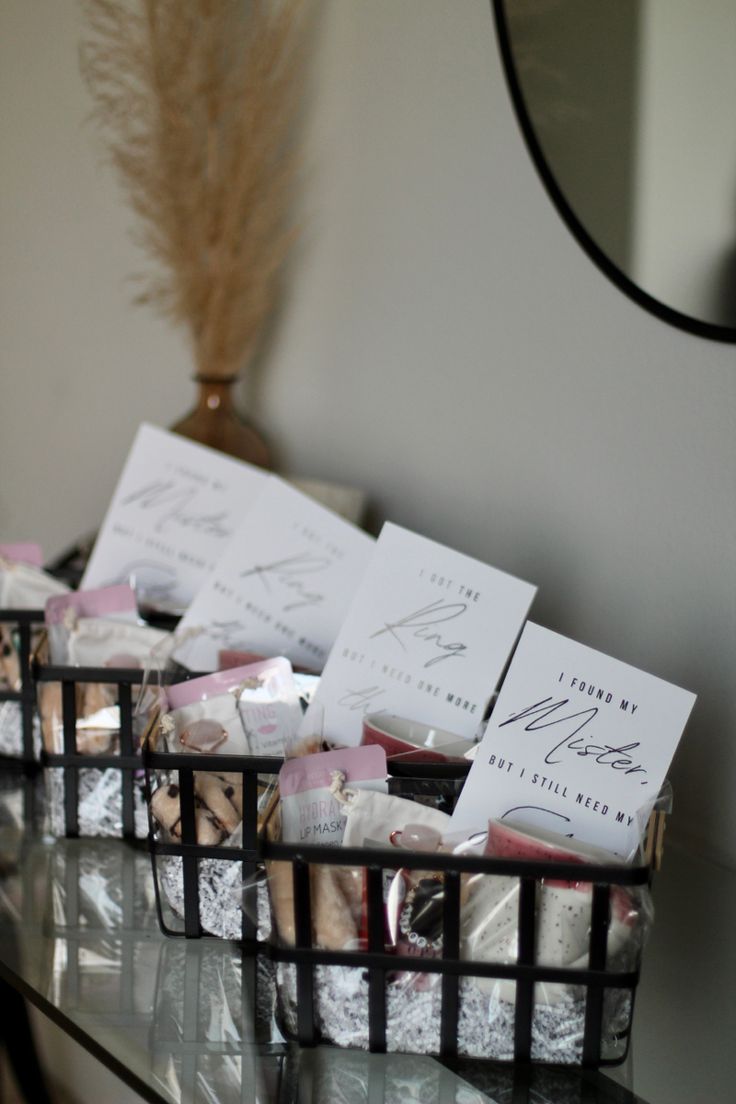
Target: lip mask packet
270, 708
310, 810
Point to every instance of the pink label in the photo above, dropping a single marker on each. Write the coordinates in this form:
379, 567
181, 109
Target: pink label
309, 772
222, 682
92, 603
26, 553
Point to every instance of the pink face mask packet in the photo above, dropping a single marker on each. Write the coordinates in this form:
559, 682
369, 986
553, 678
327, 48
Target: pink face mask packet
311, 809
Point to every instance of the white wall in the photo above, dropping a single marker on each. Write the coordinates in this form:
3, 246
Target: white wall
446, 345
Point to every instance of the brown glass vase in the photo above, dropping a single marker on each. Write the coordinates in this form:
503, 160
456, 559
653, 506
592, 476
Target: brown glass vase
215, 422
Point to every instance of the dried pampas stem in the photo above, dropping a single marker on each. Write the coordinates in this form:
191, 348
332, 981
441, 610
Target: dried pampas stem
197, 100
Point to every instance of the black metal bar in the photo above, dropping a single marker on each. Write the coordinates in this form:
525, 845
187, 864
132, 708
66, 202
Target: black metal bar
599, 919
306, 1032
562, 975
249, 923
189, 861
376, 976
48, 672
450, 952
464, 864
79, 759
525, 986
71, 773
125, 704
27, 690
253, 764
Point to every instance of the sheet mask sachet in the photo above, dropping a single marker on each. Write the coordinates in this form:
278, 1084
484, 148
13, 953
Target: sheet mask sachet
251, 710
310, 811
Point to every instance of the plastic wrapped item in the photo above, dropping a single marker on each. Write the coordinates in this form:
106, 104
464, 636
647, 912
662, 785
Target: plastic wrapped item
545, 940
237, 724
249, 710
98, 630
94, 702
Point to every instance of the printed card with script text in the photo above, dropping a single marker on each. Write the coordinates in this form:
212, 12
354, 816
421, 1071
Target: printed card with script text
578, 744
175, 508
282, 586
426, 637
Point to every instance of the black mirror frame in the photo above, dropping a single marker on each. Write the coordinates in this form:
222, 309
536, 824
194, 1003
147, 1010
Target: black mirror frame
613, 272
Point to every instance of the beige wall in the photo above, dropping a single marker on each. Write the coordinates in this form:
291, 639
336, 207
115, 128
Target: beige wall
446, 345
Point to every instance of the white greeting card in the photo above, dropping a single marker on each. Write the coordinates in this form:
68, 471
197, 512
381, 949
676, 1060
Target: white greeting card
426, 637
176, 506
281, 587
578, 743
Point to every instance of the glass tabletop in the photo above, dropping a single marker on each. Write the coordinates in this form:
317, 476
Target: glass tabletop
193, 1020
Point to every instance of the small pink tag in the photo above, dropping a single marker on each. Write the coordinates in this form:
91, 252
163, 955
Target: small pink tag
23, 552
223, 682
92, 603
309, 772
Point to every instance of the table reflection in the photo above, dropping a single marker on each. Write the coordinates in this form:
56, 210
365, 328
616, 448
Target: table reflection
193, 1021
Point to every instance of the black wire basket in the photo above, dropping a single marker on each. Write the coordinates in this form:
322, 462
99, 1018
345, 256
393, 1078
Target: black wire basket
603, 992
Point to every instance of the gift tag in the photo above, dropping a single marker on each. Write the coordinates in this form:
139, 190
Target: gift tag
578, 744
426, 637
282, 586
176, 506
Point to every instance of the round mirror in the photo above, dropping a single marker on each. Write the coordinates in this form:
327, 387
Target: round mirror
626, 107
